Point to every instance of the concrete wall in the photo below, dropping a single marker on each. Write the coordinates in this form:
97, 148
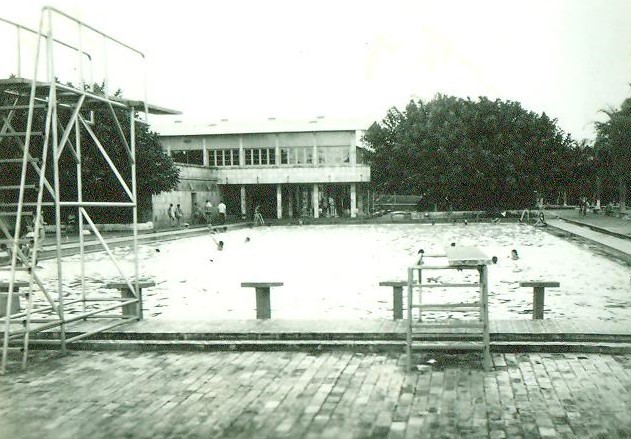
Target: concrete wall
196, 182
196, 173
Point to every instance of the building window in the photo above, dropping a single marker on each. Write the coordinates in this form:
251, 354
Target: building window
189, 157
260, 156
297, 155
224, 157
333, 155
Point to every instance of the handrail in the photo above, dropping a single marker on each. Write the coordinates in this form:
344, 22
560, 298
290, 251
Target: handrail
20, 26
52, 9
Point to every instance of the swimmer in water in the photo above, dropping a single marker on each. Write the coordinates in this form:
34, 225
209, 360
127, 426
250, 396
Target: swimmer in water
513, 255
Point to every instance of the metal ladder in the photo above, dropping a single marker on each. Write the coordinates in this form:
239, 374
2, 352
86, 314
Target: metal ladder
23, 117
455, 334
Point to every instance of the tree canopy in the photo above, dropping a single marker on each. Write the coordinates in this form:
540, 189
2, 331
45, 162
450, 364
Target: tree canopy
613, 146
155, 170
473, 154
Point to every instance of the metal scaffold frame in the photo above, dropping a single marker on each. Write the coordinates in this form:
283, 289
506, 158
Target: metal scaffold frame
41, 149
469, 334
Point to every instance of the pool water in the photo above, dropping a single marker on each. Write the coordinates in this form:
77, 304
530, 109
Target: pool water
333, 272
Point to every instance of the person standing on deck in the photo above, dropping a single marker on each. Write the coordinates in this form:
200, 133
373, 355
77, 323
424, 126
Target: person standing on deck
258, 218
171, 214
178, 214
209, 211
221, 207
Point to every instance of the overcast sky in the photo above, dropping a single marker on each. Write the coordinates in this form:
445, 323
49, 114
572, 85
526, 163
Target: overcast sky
247, 59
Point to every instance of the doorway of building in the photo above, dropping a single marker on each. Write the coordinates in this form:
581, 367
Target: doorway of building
263, 195
231, 196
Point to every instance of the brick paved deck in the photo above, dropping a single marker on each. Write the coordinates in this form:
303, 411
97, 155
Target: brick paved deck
328, 395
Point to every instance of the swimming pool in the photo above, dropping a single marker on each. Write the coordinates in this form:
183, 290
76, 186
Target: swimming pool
333, 272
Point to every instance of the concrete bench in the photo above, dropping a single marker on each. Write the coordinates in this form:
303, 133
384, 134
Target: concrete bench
133, 309
263, 306
15, 300
539, 292
397, 296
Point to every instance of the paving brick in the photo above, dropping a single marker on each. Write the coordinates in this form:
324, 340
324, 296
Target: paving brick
300, 395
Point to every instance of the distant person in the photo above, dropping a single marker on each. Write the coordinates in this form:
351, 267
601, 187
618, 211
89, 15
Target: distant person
541, 220
198, 215
208, 211
221, 207
494, 259
258, 218
247, 239
220, 246
178, 214
583, 206
498, 218
171, 214
514, 255
31, 250
28, 250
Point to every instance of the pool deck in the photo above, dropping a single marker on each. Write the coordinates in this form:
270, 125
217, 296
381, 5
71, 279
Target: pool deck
578, 388
612, 232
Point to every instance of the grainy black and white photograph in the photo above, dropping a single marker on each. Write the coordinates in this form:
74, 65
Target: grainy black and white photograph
315, 219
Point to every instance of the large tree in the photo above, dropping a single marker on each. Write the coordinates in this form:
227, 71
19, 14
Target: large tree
155, 171
466, 154
613, 143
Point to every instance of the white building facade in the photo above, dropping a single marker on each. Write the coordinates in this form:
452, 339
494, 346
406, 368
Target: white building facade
290, 170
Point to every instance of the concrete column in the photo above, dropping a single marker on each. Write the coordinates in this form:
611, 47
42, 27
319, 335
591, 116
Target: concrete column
243, 201
315, 151
360, 203
241, 152
205, 151
353, 200
279, 202
316, 202
291, 202
277, 149
352, 154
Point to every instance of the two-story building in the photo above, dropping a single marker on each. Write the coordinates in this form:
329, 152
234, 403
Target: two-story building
290, 169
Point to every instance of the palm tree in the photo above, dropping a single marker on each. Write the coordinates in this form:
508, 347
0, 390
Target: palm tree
614, 135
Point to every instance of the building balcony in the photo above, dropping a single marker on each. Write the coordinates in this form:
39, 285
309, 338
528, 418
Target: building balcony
293, 174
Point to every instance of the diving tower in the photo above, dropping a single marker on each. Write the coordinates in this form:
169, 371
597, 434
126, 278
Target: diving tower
50, 113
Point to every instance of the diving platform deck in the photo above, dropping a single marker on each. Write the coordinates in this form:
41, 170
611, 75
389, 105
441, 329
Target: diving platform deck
68, 94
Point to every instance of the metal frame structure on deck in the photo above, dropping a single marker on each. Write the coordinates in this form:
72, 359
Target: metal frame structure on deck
465, 334
33, 165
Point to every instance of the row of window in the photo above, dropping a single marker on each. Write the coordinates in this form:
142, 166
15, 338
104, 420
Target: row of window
265, 156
